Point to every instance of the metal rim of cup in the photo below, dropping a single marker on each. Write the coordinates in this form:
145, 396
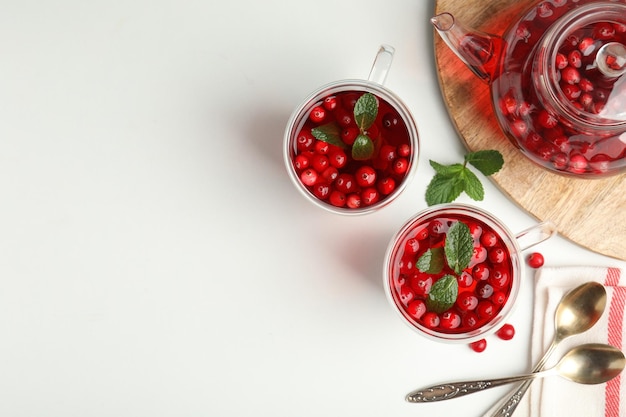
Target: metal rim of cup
512, 247
298, 117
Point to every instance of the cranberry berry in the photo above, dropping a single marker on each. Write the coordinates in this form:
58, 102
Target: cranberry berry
506, 332
535, 260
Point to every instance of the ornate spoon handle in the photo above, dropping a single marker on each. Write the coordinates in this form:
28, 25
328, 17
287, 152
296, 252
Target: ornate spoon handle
510, 403
448, 391
507, 408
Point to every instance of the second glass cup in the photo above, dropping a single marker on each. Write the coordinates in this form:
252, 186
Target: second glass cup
456, 285
352, 145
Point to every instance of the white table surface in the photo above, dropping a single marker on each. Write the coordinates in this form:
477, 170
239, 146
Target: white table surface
155, 259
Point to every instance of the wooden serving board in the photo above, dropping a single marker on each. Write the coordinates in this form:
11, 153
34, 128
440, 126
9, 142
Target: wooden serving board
590, 212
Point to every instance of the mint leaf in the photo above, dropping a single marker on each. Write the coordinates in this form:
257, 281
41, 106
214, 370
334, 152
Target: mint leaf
432, 261
446, 170
365, 111
472, 185
459, 246
362, 148
488, 162
442, 294
329, 133
451, 180
443, 189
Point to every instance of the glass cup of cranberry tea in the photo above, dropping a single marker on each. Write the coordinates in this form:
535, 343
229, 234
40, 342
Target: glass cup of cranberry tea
352, 145
453, 271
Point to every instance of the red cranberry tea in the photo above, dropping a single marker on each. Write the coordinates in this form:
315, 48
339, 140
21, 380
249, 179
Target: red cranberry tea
561, 110
473, 296
347, 161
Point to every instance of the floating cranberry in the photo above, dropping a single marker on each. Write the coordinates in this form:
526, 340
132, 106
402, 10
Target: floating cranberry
407, 264
571, 91
344, 118
330, 103
586, 46
337, 158
421, 284
406, 294
305, 141
416, 309
479, 345
484, 290
404, 150
481, 272
561, 61
535, 260
301, 162
387, 153
330, 174
470, 320
309, 177
475, 230
353, 201
337, 198
423, 232
485, 309
412, 246
546, 119
604, 31
465, 280
321, 190
400, 166
386, 185
497, 255
321, 147
390, 121
349, 135
479, 254
431, 320
345, 183
500, 278
369, 196
467, 301
570, 75
436, 228
318, 114
499, 298
575, 59
319, 162
365, 176
488, 239
450, 320
506, 332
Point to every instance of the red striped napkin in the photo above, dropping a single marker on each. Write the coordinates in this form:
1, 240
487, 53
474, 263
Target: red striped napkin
555, 396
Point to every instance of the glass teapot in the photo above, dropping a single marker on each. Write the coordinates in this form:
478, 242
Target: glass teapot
557, 82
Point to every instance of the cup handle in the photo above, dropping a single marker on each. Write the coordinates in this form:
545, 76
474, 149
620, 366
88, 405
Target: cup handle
381, 65
536, 234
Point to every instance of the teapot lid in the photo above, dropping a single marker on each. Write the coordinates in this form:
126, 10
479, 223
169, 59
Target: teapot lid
582, 64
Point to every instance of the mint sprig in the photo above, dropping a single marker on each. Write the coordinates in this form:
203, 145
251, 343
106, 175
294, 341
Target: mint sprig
450, 181
365, 113
459, 247
457, 253
431, 261
328, 133
443, 294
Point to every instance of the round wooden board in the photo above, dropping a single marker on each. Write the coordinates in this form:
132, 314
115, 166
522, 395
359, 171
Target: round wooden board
589, 212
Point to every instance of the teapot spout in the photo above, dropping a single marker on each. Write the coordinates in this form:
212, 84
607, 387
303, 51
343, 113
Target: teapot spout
478, 50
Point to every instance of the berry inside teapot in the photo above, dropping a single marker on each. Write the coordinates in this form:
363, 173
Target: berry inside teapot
557, 82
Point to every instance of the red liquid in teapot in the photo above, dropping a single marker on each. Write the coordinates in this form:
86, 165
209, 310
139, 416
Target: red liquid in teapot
546, 138
483, 288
